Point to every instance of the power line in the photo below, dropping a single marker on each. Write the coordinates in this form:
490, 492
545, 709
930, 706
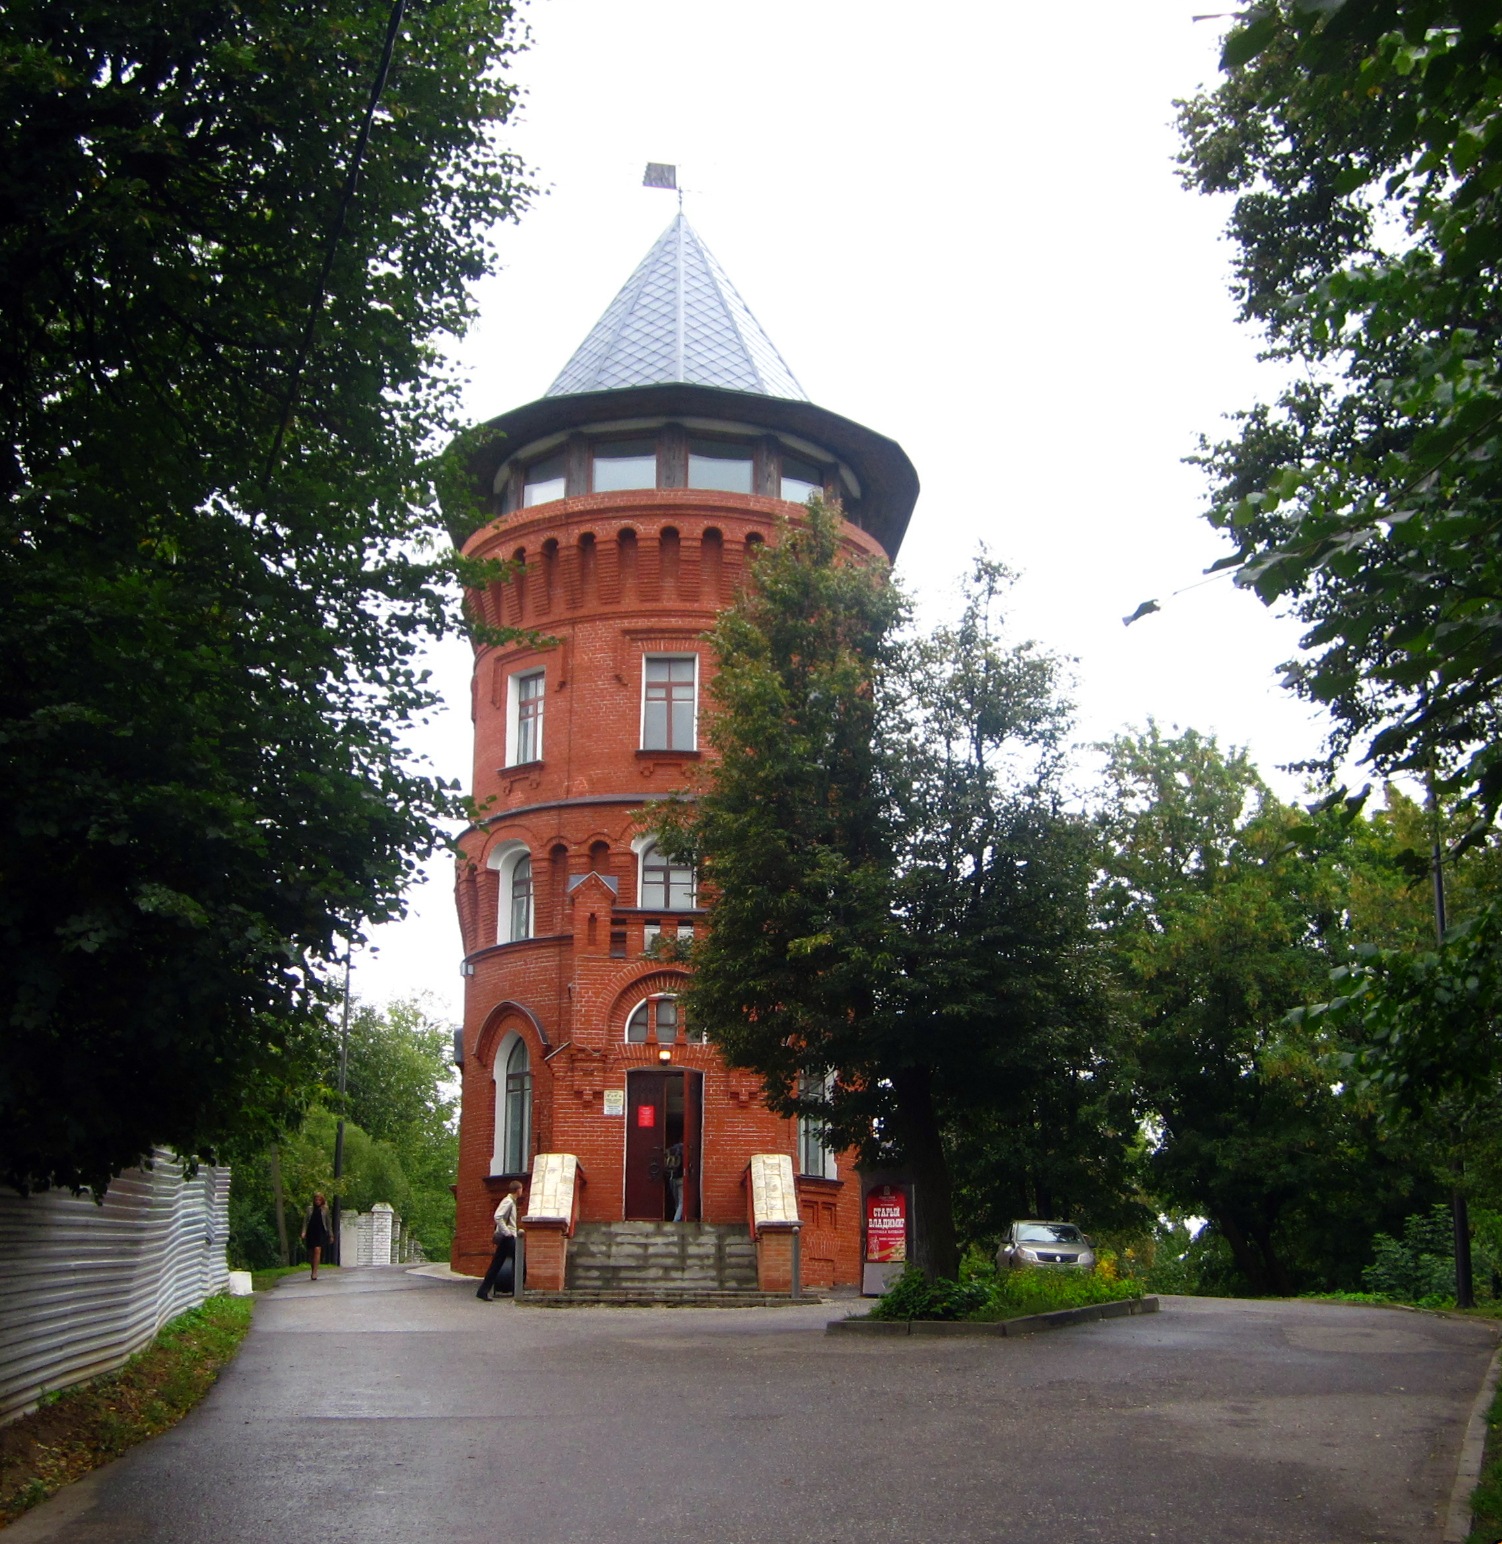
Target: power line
336, 233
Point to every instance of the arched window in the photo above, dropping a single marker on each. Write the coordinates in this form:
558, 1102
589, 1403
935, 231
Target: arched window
660, 1017
521, 898
513, 1107
515, 914
665, 886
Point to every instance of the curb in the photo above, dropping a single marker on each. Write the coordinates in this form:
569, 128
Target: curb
1472, 1454
1028, 1324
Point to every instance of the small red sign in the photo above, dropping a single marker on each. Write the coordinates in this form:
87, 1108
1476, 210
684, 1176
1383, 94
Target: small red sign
646, 1115
886, 1224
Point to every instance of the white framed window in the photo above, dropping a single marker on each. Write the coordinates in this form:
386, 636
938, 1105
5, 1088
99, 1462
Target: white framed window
815, 1156
665, 885
623, 464
526, 697
719, 464
660, 1017
515, 912
521, 897
543, 481
800, 479
513, 1107
670, 702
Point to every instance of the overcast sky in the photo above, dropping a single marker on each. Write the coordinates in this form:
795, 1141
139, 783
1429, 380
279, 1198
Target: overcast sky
961, 226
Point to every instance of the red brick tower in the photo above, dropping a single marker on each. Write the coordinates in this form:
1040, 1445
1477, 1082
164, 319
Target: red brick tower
632, 493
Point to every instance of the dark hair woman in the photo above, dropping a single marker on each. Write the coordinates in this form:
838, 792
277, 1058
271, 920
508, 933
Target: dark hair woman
317, 1231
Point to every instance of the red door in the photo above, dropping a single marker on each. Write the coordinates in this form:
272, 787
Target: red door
646, 1123
664, 1110
693, 1143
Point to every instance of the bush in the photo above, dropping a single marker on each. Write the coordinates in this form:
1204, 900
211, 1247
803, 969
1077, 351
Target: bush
1421, 1267
914, 1296
1043, 1291
986, 1294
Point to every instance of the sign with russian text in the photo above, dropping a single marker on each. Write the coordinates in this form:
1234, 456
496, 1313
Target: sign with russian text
554, 1176
774, 1194
615, 1101
886, 1224
646, 1115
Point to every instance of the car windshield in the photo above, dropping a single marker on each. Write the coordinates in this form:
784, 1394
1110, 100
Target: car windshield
1049, 1233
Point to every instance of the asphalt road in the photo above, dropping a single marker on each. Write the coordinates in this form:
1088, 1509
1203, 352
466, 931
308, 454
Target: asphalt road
378, 1407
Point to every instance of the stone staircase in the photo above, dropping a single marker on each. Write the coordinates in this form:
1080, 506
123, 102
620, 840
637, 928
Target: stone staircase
687, 1264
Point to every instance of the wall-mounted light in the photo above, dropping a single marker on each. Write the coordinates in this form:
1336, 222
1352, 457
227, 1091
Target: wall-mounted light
664, 1056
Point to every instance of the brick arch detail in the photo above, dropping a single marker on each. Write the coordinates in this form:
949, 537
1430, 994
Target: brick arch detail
507, 1016
651, 984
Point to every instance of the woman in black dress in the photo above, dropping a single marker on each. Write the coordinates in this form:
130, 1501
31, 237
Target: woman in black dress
317, 1234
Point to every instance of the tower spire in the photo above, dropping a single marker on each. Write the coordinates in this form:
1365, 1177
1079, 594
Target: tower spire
678, 318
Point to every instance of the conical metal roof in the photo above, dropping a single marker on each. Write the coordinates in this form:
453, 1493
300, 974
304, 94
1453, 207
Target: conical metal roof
678, 319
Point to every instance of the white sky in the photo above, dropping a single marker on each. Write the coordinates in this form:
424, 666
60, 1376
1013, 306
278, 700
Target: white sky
961, 226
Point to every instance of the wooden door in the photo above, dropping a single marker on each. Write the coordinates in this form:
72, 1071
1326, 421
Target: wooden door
646, 1123
693, 1145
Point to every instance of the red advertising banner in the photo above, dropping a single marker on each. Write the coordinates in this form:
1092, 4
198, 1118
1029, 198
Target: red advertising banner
886, 1224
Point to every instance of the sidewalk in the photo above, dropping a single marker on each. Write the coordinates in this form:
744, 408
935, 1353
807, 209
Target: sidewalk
379, 1406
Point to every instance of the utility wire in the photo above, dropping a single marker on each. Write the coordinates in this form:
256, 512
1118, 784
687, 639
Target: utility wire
336, 233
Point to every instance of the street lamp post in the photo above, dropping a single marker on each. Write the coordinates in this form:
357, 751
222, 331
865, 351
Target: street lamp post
343, 1079
1460, 1218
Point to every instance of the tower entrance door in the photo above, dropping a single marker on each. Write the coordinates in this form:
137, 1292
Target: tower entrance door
664, 1144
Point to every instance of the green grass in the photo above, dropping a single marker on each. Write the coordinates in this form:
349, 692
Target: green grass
1040, 1291
1486, 1499
76, 1429
1357, 1299
264, 1281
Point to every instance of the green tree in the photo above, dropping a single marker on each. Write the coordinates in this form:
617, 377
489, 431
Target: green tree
1359, 140
1222, 923
400, 1092
897, 919
401, 1138
208, 643
1002, 1002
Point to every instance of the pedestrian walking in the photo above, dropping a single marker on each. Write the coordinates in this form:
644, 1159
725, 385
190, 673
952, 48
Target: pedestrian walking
317, 1231
501, 1277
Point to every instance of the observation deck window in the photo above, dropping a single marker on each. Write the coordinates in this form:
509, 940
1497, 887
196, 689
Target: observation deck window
622, 464
719, 464
544, 481
800, 480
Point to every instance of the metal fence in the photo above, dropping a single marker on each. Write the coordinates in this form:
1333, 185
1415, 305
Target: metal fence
83, 1285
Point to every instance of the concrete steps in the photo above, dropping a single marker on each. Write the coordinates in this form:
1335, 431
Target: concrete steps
660, 1259
665, 1297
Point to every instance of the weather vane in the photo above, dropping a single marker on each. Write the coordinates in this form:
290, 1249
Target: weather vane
661, 175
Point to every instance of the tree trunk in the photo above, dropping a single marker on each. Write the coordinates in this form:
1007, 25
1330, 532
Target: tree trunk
936, 1250
1465, 1287
1255, 1256
1276, 1273
284, 1254
1248, 1261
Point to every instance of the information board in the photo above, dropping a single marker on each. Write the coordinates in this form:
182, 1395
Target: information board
886, 1225
774, 1195
552, 1193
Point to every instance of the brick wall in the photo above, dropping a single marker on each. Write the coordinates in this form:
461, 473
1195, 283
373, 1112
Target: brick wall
613, 578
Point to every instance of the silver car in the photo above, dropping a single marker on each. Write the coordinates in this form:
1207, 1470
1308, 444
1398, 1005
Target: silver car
1044, 1243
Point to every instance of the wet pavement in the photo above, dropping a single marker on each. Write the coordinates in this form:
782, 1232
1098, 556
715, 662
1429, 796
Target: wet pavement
379, 1406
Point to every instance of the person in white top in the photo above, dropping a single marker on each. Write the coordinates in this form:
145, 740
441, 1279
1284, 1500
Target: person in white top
500, 1276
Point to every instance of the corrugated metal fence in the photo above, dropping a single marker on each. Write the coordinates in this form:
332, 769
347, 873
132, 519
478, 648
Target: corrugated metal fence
84, 1285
